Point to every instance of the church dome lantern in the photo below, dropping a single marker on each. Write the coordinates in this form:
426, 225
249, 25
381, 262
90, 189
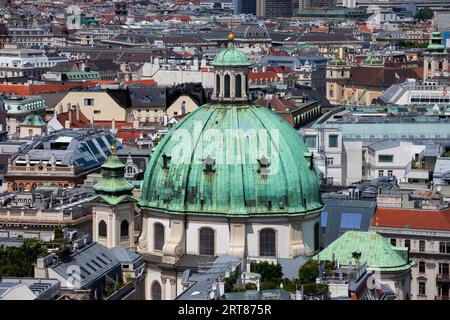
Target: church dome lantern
231, 74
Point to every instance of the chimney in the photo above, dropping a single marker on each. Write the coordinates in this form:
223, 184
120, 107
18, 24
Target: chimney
342, 53
70, 116
78, 112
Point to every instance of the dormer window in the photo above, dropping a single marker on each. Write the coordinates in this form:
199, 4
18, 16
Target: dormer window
264, 164
209, 164
166, 161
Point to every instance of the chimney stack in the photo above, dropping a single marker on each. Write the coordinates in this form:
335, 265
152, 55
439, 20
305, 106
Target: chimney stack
78, 112
342, 53
70, 117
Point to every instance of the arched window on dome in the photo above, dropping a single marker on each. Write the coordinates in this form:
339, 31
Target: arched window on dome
158, 242
227, 86
124, 230
238, 86
206, 241
217, 85
316, 236
156, 291
267, 243
102, 232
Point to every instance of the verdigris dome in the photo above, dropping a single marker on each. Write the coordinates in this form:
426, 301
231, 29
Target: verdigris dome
232, 160
231, 57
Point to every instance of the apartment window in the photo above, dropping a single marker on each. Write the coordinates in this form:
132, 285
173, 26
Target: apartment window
422, 245
444, 269
390, 173
385, 158
88, 102
444, 247
408, 243
96, 111
394, 242
311, 141
380, 173
331, 92
333, 141
350, 220
330, 180
421, 266
329, 161
422, 288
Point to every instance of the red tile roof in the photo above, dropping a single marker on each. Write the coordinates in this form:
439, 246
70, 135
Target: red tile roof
268, 76
412, 219
82, 121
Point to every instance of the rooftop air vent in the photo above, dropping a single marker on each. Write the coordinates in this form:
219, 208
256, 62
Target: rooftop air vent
264, 164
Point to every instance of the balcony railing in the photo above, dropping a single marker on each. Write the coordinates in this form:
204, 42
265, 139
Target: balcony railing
443, 277
442, 298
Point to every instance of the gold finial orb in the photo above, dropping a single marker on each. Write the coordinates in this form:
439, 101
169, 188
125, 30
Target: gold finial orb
113, 149
231, 36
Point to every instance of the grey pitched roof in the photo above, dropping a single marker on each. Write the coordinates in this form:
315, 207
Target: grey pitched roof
387, 144
94, 261
125, 255
87, 147
148, 97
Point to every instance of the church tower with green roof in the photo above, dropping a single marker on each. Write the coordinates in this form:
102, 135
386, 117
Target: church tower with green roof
435, 58
114, 206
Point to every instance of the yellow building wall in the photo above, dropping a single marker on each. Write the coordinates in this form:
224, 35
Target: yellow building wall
104, 107
174, 108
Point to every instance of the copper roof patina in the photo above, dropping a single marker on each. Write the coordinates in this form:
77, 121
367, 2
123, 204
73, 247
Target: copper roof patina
199, 168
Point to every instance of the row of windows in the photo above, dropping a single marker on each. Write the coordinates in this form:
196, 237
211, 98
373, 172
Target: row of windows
311, 141
227, 86
207, 240
349, 220
390, 173
103, 231
444, 246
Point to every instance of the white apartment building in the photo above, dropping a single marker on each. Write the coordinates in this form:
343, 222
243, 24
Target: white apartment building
26, 62
352, 144
166, 74
394, 158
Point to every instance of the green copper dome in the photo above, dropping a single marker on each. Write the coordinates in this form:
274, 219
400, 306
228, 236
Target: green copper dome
375, 250
199, 168
231, 57
33, 120
436, 46
113, 188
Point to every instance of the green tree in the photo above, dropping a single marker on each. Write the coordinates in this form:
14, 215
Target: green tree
230, 282
308, 272
19, 261
59, 235
269, 272
424, 14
